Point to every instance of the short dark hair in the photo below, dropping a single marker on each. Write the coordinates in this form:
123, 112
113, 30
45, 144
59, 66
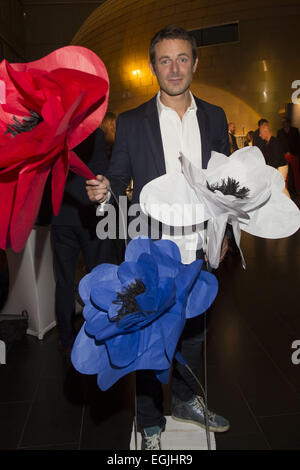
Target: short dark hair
172, 32
262, 121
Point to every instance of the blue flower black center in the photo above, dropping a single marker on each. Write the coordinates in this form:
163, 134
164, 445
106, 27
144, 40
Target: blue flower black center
29, 123
229, 187
127, 299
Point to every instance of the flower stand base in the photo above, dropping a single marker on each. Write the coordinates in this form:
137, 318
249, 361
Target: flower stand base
180, 436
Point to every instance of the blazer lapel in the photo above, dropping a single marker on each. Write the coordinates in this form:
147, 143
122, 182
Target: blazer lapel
151, 123
204, 131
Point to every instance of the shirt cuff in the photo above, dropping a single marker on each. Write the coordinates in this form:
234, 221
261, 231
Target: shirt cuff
101, 207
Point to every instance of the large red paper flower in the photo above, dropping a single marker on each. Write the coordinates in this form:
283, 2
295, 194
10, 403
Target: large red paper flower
51, 105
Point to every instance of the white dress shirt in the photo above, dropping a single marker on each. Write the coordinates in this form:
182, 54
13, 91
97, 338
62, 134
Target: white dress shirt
181, 136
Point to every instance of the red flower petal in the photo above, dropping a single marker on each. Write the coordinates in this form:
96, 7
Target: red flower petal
72, 104
78, 167
27, 202
8, 185
75, 58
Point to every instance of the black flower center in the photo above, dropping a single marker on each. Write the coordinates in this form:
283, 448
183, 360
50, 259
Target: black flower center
29, 123
230, 187
127, 299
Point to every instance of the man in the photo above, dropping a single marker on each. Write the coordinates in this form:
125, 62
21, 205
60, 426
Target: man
289, 137
257, 140
73, 231
108, 125
273, 152
147, 145
232, 138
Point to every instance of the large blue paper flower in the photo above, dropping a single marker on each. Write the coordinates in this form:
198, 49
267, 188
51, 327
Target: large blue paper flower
134, 313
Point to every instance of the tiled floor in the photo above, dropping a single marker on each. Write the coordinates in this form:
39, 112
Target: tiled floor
46, 404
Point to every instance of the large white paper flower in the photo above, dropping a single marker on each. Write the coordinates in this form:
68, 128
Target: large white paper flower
240, 190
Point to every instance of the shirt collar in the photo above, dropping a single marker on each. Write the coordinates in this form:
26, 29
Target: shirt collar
161, 106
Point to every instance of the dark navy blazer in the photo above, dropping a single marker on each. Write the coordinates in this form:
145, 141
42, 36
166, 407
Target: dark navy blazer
138, 150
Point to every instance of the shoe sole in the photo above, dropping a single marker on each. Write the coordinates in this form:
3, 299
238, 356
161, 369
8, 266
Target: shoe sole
203, 426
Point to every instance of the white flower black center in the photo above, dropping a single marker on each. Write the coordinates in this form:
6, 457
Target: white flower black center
231, 187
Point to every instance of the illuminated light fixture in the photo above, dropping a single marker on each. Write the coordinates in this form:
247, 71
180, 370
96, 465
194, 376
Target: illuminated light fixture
265, 66
136, 73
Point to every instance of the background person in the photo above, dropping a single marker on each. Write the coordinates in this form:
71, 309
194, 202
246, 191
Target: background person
73, 231
273, 152
232, 138
249, 139
108, 126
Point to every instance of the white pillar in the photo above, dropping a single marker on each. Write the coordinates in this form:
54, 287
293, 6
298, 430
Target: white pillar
32, 282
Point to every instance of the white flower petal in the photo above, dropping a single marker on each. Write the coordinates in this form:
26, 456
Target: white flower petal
172, 201
216, 160
279, 218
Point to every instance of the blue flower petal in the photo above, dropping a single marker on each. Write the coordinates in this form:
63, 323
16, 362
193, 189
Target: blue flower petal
165, 296
86, 355
165, 252
169, 248
84, 288
163, 375
171, 328
104, 293
122, 349
89, 311
186, 278
202, 295
99, 326
136, 247
146, 270
153, 357
103, 272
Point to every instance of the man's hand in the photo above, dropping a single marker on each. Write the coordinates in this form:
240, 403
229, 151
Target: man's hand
224, 248
98, 189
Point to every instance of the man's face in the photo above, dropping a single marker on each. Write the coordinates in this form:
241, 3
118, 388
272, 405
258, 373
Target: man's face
174, 66
265, 131
232, 128
285, 124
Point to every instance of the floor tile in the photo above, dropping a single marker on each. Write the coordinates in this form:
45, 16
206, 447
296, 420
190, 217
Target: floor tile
282, 431
108, 416
241, 442
55, 417
20, 375
225, 399
12, 418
